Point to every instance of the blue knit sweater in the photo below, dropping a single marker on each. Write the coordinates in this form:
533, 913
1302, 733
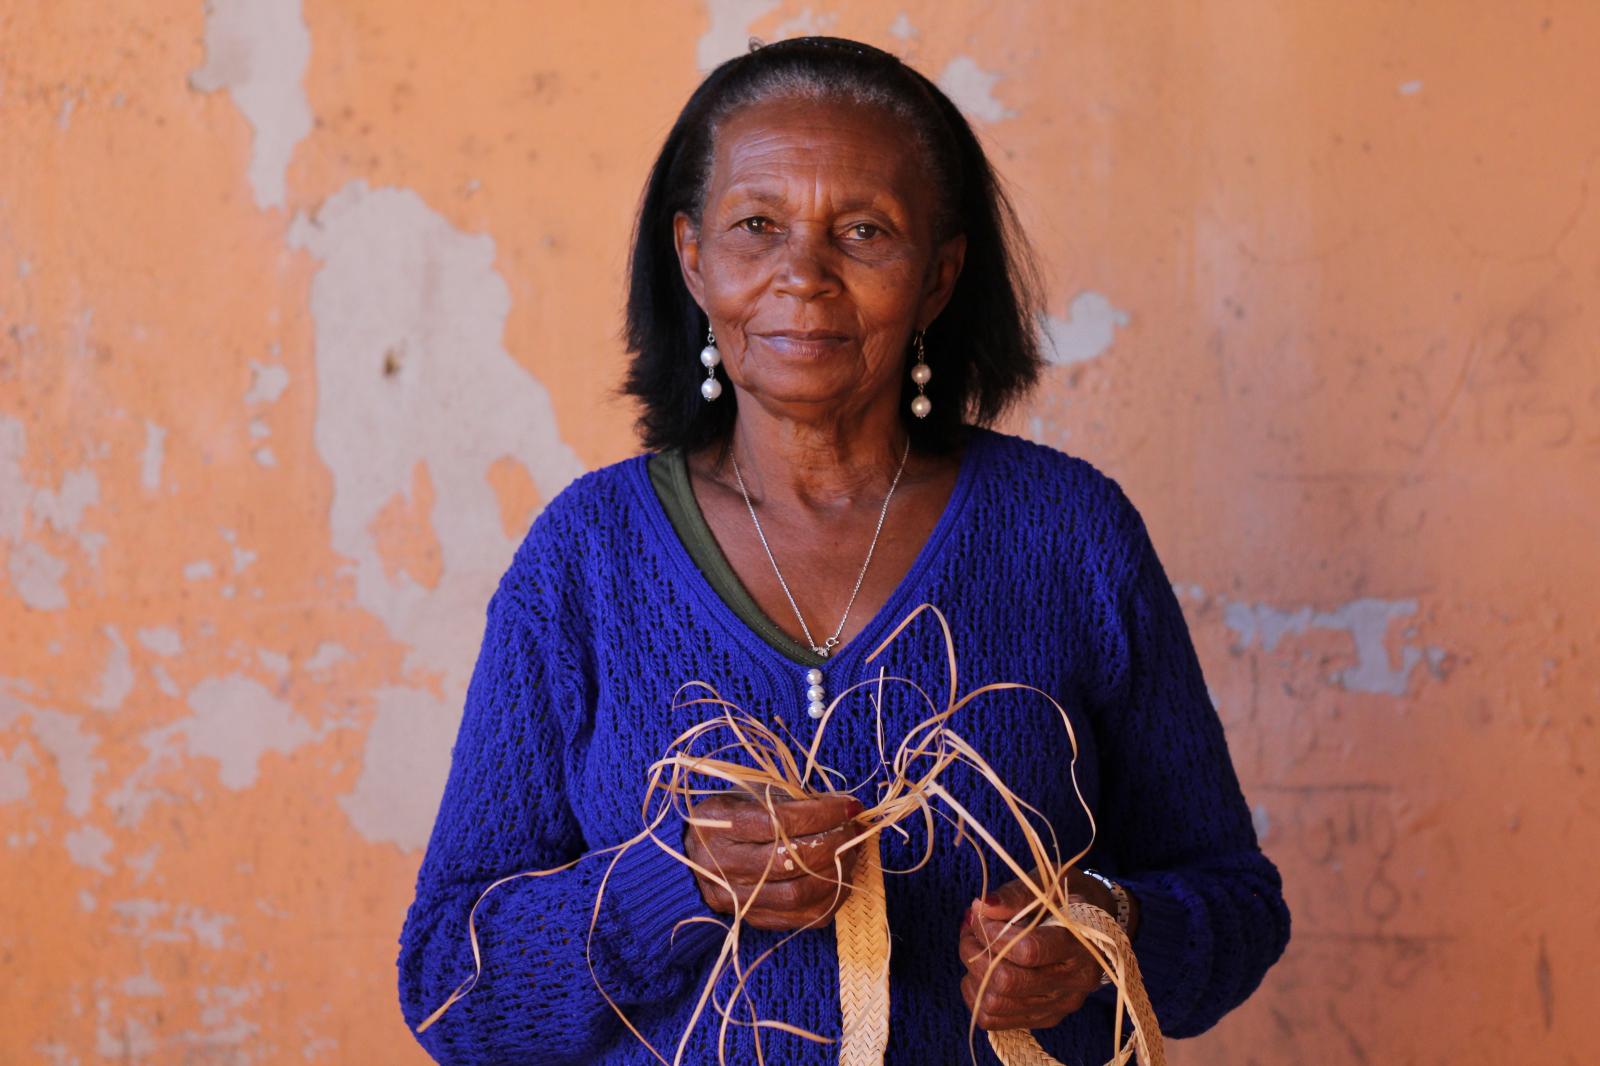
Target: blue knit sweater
1047, 575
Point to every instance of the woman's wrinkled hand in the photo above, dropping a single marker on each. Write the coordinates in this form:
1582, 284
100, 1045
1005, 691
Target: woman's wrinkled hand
1044, 976
790, 859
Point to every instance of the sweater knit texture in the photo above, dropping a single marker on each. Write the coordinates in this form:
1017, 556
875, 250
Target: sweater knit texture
1047, 575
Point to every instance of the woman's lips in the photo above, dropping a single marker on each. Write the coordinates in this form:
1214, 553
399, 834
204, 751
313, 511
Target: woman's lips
804, 343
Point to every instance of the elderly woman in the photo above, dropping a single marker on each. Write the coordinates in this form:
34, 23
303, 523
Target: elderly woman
828, 305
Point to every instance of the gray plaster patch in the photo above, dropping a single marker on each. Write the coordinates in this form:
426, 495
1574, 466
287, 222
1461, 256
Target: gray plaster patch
1087, 331
806, 24
116, 680
163, 640
326, 655
33, 571
14, 766
275, 662
15, 492
143, 984
185, 923
902, 28
1410, 88
63, 508
199, 570
164, 680
236, 721
397, 795
258, 51
267, 382
728, 30
155, 453
972, 89
1365, 620
36, 575
89, 846
409, 318
67, 746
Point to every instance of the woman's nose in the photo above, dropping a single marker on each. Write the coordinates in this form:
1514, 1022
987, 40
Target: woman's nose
807, 269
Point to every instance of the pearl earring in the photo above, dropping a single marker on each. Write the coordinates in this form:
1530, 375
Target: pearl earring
710, 388
921, 374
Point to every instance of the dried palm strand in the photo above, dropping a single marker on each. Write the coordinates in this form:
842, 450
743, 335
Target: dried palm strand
730, 748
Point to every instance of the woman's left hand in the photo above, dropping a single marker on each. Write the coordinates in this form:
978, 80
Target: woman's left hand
1045, 974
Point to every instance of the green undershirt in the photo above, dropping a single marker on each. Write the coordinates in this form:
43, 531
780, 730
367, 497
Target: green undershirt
669, 475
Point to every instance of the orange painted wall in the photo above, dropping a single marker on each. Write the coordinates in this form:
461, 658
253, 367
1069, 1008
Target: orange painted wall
306, 305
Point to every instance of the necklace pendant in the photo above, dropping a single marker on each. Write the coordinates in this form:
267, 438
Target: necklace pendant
816, 695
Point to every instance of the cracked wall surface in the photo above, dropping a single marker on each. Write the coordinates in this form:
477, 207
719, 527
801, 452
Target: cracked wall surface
307, 307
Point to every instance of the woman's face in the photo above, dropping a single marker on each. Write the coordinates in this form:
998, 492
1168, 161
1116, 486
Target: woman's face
816, 258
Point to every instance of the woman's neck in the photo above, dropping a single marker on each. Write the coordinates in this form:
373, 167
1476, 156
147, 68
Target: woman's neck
815, 464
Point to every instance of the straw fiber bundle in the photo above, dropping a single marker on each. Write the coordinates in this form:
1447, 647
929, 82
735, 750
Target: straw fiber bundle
702, 761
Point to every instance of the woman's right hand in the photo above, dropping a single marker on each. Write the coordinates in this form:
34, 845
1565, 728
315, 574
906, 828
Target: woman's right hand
752, 851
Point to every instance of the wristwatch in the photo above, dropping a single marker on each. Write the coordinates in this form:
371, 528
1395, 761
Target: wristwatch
1124, 912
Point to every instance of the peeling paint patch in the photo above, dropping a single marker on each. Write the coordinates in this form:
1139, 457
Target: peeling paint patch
236, 721
806, 24
200, 570
902, 28
1262, 820
275, 662
1410, 88
14, 491
186, 924
326, 655
14, 766
164, 681
163, 640
397, 794
63, 508
411, 368
728, 33
258, 51
267, 382
972, 89
155, 450
68, 746
116, 680
1087, 331
89, 846
143, 984
37, 575
1365, 620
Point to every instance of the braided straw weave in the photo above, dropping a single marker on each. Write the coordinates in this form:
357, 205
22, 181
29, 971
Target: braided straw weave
861, 927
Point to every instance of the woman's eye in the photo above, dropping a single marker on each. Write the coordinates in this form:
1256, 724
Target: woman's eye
864, 231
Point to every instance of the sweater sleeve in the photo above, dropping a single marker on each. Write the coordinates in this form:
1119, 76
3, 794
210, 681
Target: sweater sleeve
1173, 820
504, 810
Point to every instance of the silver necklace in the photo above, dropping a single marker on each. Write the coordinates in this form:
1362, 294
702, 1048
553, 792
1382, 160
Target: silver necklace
815, 693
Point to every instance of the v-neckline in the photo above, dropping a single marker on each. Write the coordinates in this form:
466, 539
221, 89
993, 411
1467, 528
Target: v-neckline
758, 638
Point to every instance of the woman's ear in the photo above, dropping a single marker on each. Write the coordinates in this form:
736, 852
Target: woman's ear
942, 275
686, 241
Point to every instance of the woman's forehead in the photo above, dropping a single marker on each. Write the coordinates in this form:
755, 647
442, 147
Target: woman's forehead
850, 154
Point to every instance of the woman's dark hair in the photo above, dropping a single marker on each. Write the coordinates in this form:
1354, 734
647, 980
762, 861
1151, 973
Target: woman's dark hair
983, 347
